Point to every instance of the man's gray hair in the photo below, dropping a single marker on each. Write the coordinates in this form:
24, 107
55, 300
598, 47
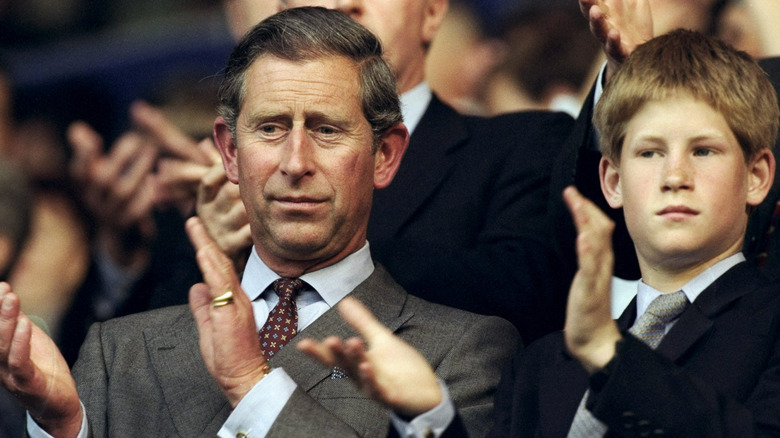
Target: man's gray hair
307, 34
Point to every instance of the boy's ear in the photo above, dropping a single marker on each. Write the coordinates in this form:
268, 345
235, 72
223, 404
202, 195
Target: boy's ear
388, 155
610, 183
761, 176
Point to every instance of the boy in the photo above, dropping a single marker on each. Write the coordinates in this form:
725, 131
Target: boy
687, 124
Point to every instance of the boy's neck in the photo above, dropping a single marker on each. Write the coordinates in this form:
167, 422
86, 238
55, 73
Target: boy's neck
672, 276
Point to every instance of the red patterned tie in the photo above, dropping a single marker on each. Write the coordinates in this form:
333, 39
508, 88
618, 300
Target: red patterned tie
282, 322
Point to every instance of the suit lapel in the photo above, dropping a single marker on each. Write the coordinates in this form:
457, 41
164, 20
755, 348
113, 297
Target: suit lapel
697, 320
195, 401
425, 165
379, 293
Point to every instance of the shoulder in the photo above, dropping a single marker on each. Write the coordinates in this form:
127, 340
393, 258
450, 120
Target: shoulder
153, 321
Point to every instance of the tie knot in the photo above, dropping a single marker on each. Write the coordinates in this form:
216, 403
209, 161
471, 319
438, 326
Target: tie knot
667, 307
287, 286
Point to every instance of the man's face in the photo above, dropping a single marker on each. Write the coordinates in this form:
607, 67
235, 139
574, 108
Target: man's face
669, 15
683, 184
405, 28
303, 160
242, 15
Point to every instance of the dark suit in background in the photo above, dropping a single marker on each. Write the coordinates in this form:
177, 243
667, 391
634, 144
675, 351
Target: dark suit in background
462, 222
144, 375
715, 373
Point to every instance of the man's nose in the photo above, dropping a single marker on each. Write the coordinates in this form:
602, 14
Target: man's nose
296, 159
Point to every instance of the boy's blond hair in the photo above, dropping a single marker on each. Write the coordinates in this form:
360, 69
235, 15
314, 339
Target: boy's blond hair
687, 63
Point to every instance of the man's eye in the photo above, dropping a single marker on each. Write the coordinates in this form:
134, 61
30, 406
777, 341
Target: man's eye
327, 130
268, 129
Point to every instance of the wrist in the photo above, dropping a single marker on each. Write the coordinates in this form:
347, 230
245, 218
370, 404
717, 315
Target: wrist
239, 391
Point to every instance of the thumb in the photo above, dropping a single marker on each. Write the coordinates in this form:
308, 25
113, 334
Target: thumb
361, 319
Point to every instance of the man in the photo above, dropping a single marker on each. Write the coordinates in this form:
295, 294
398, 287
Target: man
465, 209
310, 126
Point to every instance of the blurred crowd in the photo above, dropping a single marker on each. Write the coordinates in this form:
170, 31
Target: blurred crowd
82, 81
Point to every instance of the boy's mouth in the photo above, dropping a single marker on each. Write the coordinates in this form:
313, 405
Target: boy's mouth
677, 211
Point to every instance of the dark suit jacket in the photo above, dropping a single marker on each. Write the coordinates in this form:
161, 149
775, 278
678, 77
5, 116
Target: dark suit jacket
715, 374
465, 211
143, 375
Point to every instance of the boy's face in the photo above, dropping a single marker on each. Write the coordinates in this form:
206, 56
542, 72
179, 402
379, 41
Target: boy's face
684, 185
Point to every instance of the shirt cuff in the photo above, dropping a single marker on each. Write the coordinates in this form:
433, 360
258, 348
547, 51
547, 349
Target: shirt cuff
257, 411
428, 424
35, 431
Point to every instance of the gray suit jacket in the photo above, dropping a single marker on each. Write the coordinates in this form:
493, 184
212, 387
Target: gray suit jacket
143, 375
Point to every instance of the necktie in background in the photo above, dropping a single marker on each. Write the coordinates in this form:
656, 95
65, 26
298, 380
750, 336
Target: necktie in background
282, 322
649, 328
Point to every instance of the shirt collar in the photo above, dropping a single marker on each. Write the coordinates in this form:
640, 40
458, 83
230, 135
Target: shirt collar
646, 294
414, 103
332, 283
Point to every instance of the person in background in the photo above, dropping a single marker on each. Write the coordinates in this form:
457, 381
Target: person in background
310, 125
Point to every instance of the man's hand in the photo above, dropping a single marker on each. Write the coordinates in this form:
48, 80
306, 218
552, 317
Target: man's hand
34, 371
590, 333
620, 26
228, 334
184, 161
384, 367
220, 208
118, 189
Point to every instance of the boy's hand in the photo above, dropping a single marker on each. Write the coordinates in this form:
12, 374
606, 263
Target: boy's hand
620, 26
590, 333
34, 371
384, 367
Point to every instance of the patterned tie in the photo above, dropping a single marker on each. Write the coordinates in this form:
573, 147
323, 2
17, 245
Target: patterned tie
282, 322
649, 328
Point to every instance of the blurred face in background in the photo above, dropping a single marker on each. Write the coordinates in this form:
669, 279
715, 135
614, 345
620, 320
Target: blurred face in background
242, 15
405, 27
687, 14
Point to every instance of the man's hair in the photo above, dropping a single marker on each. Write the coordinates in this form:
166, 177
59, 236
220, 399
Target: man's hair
686, 63
309, 34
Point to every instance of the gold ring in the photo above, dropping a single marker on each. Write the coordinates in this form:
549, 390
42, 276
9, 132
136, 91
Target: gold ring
223, 300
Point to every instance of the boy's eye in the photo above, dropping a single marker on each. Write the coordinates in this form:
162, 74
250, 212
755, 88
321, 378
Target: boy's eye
647, 154
702, 152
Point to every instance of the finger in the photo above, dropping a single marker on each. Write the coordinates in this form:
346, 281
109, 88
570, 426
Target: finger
361, 319
217, 269
322, 352
208, 147
134, 179
19, 354
86, 144
200, 301
9, 315
123, 152
166, 134
576, 204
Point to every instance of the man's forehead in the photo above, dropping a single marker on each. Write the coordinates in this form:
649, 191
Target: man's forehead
312, 88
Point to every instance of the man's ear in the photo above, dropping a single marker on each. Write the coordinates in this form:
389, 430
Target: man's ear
388, 155
610, 182
227, 148
434, 16
761, 176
